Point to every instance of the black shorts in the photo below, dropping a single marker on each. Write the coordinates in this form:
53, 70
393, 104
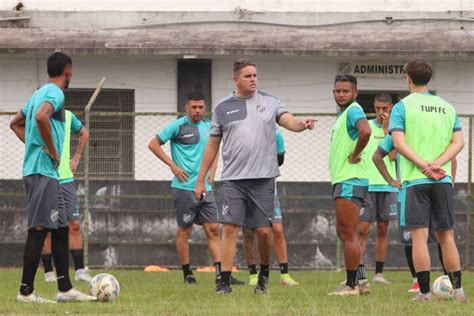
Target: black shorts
71, 205
248, 203
190, 211
354, 193
427, 205
45, 203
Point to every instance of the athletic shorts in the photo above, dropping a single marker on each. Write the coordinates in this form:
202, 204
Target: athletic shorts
248, 203
427, 205
380, 206
71, 205
277, 217
190, 211
354, 193
45, 204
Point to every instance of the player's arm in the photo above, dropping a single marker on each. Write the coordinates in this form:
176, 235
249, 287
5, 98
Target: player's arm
155, 148
456, 145
454, 168
210, 155
364, 132
290, 122
212, 171
81, 145
43, 115
380, 164
17, 125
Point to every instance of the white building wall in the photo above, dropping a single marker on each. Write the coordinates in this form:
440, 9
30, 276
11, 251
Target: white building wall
303, 84
254, 5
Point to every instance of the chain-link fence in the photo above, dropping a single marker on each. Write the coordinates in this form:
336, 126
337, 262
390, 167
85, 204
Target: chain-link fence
124, 175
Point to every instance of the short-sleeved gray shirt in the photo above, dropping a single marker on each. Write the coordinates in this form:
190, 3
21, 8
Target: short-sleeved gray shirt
248, 127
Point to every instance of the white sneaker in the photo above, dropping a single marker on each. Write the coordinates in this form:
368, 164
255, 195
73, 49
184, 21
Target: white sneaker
50, 277
74, 295
379, 279
82, 275
33, 298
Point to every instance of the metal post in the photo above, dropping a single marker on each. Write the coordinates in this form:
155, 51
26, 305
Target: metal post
85, 227
469, 197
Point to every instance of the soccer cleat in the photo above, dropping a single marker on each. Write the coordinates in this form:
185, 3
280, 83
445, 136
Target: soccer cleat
82, 275
253, 279
190, 279
33, 298
424, 297
364, 286
460, 296
286, 279
50, 277
74, 295
379, 279
345, 290
415, 287
222, 288
261, 287
234, 281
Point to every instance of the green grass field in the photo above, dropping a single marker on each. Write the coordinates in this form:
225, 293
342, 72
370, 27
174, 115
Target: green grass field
164, 293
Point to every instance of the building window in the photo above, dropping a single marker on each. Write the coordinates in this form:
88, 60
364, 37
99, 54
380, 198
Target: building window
194, 75
111, 136
366, 99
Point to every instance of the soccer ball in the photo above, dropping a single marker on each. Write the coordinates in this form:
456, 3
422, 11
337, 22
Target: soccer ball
105, 287
442, 287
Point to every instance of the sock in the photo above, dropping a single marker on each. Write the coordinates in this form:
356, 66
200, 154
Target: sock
440, 254
78, 257
264, 274
351, 278
455, 278
60, 250
424, 281
225, 275
47, 262
31, 257
283, 268
379, 266
361, 272
253, 268
186, 270
409, 256
217, 266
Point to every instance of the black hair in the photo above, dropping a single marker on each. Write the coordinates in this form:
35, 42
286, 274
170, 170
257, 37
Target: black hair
239, 64
57, 62
383, 97
196, 96
346, 78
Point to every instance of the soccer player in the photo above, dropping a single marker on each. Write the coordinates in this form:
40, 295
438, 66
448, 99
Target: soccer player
349, 176
67, 167
427, 133
245, 122
279, 242
188, 137
381, 206
386, 147
40, 125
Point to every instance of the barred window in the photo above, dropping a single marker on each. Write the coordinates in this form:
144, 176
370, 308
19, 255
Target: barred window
111, 133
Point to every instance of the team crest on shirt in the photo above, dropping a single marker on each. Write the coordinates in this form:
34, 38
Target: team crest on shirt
54, 215
260, 108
